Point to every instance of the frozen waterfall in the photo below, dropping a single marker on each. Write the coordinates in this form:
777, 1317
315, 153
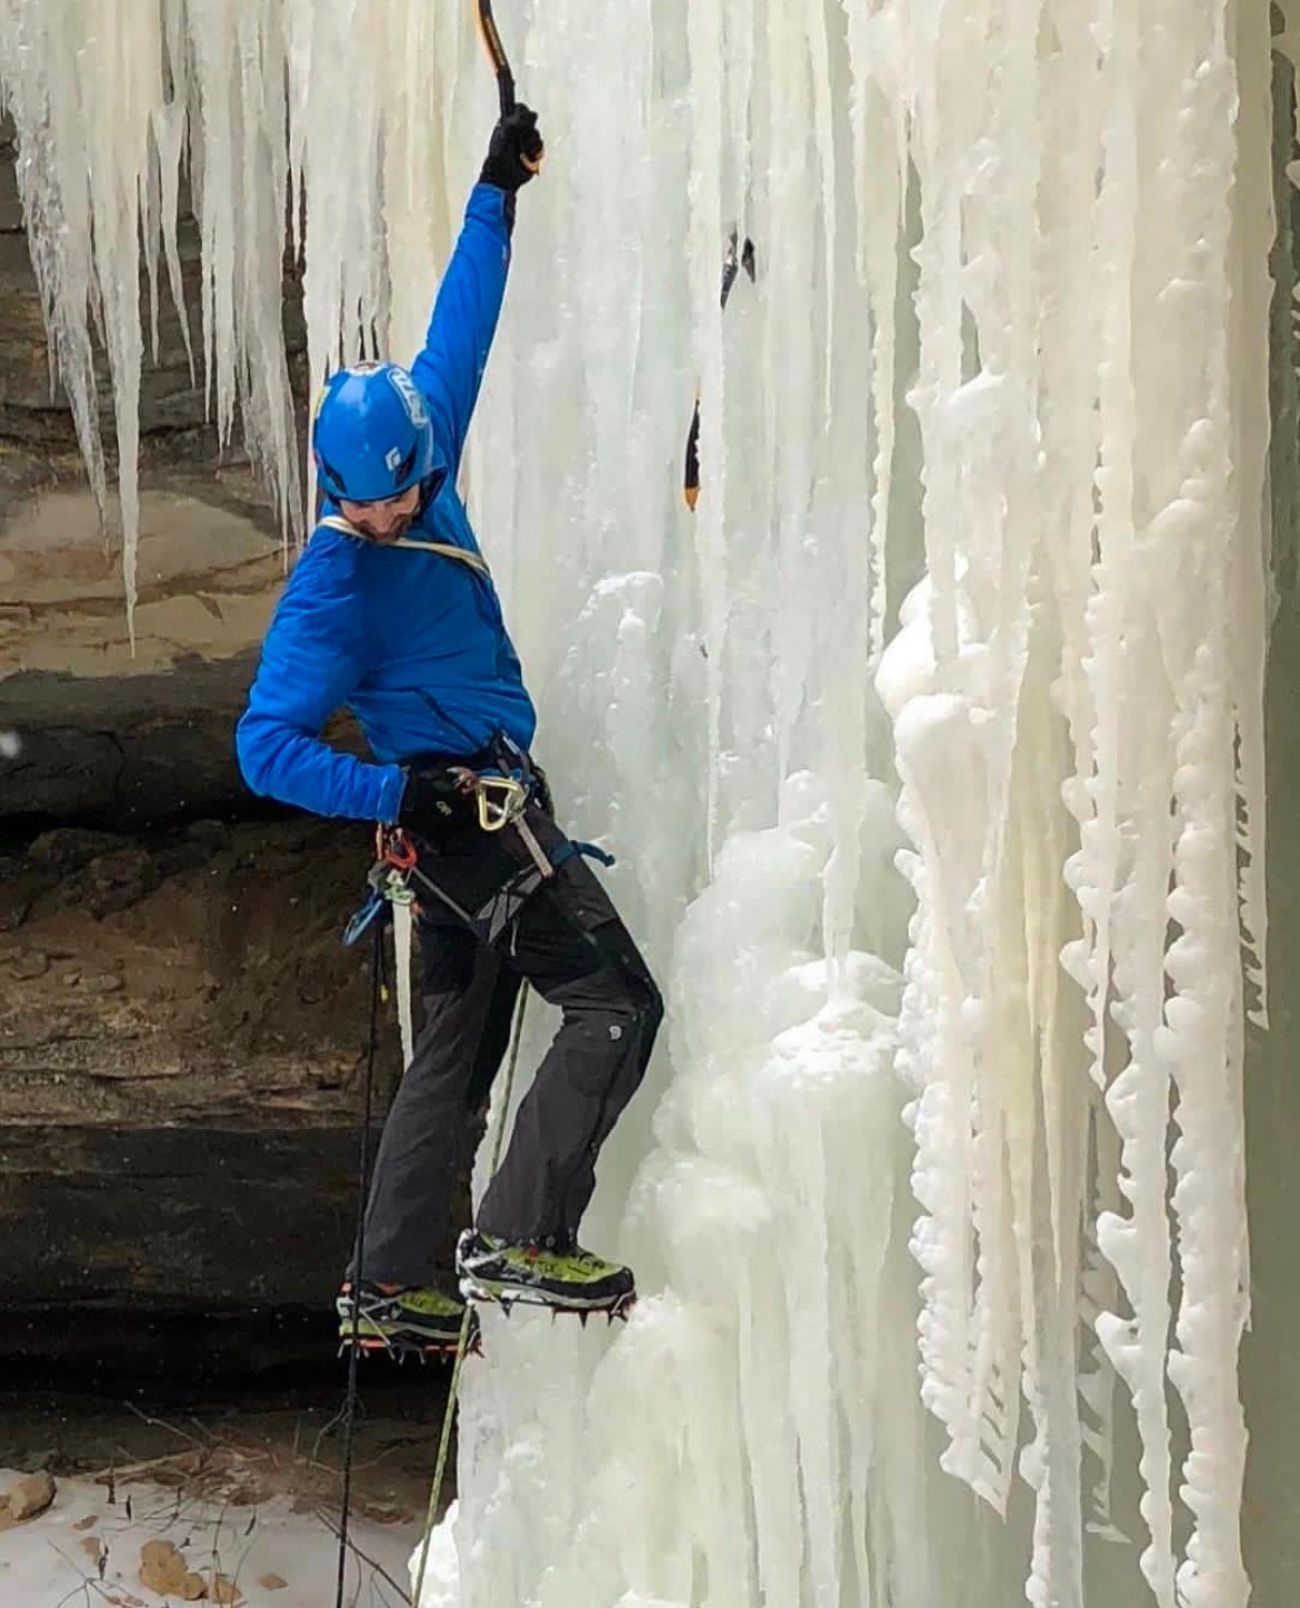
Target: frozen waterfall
931, 743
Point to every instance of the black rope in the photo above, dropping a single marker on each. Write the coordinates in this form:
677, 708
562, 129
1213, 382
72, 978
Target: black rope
358, 1263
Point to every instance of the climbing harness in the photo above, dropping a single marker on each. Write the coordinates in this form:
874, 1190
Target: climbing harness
399, 880
732, 263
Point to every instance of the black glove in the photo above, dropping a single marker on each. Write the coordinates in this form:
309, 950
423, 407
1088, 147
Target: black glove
515, 153
437, 799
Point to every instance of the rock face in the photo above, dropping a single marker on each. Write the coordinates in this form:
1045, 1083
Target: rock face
181, 1031
182, 1040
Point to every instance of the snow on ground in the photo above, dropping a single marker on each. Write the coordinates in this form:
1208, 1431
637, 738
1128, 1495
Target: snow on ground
280, 1552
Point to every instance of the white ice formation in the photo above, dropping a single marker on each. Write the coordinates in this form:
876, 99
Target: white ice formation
1006, 353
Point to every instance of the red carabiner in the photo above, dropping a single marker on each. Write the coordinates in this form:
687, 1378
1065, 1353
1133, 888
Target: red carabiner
399, 851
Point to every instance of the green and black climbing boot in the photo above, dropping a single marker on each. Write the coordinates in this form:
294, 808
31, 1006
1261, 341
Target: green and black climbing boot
558, 1275
399, 1317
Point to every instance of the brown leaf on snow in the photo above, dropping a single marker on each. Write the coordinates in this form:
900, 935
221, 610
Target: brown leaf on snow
85, 1524
272, 1582
92, 1546
164, 1570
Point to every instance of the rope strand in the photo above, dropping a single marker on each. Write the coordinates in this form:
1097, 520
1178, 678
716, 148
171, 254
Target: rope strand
363, 1189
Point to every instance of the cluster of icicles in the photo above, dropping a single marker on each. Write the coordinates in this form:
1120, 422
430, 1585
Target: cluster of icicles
1005, 351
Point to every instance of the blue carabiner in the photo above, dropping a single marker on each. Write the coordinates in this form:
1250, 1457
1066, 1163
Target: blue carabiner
362, 919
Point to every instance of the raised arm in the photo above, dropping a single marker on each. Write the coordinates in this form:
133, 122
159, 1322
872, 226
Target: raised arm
311, 663
449, 370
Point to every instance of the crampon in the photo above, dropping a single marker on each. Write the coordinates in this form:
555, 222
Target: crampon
398, 1348
620, 1308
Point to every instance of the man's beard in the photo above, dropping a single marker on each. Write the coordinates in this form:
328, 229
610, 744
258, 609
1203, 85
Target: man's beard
395, 531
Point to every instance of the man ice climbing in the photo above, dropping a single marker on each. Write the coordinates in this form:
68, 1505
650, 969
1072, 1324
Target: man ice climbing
392, 611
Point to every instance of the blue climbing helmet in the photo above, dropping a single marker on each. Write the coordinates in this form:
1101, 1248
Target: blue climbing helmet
371, 436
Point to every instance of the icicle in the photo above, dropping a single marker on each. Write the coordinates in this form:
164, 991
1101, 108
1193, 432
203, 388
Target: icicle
168, 128
1254, 226
52, 184
214, 47
878, 115
168, 125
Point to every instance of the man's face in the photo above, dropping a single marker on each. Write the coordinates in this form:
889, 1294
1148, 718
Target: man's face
382, 521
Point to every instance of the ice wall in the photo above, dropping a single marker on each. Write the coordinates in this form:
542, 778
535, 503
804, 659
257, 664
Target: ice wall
1005, 354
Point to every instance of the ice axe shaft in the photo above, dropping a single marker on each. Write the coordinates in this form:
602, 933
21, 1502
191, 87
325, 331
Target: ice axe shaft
487, 28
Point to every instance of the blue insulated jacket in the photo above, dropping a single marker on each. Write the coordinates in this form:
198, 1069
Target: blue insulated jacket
413, 643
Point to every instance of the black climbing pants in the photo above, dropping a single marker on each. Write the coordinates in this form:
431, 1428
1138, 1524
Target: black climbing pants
566, 939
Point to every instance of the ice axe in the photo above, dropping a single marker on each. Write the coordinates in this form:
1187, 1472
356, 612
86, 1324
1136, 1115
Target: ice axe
487, 29
732, 263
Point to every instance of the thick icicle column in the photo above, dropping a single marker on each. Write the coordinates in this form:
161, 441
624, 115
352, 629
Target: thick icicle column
930, 742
